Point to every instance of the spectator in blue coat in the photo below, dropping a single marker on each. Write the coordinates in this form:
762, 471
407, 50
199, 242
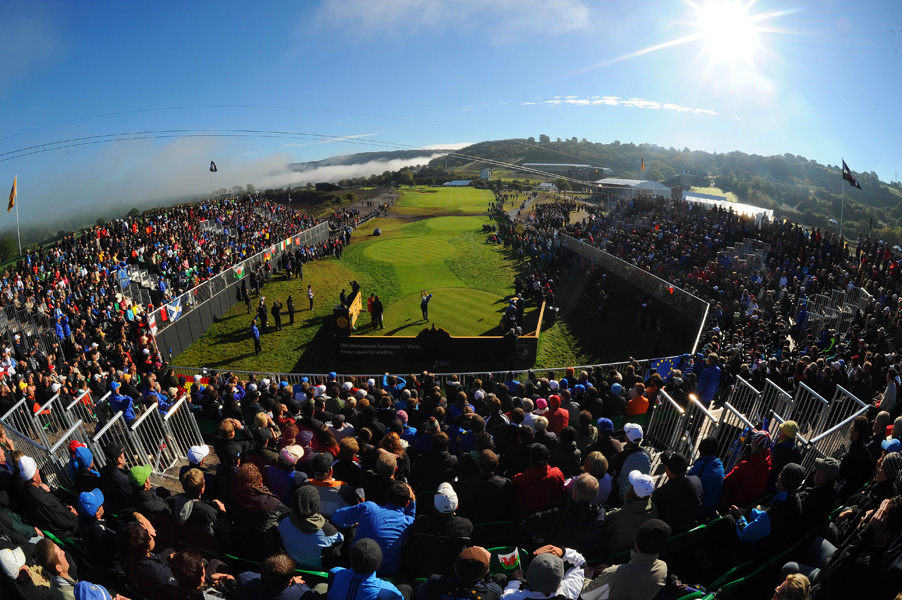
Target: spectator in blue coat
709, 469
708, 381
120, 403
360, 581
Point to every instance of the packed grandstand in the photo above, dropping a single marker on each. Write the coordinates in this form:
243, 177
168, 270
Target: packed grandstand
766, 455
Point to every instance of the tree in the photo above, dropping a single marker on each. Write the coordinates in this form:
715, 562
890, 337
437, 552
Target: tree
250, 188
100, 221
531, 140
544, 139
134, 212
8, 248
562, 184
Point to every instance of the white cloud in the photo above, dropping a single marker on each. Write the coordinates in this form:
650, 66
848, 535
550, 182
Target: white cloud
506, 19
556, 101
452, 146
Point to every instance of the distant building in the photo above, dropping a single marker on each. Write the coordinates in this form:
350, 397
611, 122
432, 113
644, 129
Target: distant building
574, 171
485, 174
632, 187
547, 187
457, 183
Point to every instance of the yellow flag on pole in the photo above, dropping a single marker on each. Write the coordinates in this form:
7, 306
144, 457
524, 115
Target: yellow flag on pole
12, 195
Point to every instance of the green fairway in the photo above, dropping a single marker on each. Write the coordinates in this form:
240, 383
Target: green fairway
443, 201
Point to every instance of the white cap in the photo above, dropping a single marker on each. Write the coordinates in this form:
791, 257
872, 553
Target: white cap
360, 394
55, 388
146, 351
320, 390
633, 432
292, 453
252, 387
553, 384
12, 560
371, 382
347, 385
643, 484
197, 378
27, 467
265, 382
197, 454
478, 394
445, 499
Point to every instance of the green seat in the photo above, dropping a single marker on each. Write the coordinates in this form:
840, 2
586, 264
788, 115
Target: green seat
208, 427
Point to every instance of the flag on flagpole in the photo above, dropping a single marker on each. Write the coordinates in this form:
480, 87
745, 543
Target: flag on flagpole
846, 174
12, 195
213, 168
642, 162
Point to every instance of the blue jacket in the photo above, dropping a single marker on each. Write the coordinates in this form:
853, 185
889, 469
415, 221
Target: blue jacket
255, 332
388, 525
708, 382
347, 584
123, 404
710, 470
307, 548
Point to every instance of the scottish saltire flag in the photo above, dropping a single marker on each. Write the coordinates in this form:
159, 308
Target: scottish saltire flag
174, 309
664, 365
213, 168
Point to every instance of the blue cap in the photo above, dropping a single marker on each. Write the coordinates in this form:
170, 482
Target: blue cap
605, 425
305, 379
615, 389
891, 445
579, 388
332, 374
82, 458
115, 385
85, 590
89, 502
283, 384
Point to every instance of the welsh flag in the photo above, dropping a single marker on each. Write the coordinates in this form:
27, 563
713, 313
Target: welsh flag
510, 561
239, 271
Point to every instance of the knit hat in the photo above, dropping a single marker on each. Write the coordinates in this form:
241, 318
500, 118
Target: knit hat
11, 560
892, 465
642, 484
198, 453
790, 428
605, 425
541, 407
472, 564
445, 499
554, 401
365, 556
545, 573
792, 476
633, 432
27, 467
137, 476
432, 424
90, 502
762, 438
538, 454
401, 416
652, 536
829, 467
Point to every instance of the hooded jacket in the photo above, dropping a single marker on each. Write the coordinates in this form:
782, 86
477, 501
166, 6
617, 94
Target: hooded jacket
538, 489
310, 540
622, 525
747, 481
558, 418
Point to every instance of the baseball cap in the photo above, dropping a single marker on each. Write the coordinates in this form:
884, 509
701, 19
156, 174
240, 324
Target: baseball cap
891, 445
605, 425
332, 374
365, 556
652, 536
138, 475
642, 484
292, 454
11, 560
27, 467
89, 502
553, 384
676, 462
790, 428
113, 451
538, 454
197, 454
445, 499
265, 382
322, 462
615, 389
472, 564
114, 385
82, 458
633, 432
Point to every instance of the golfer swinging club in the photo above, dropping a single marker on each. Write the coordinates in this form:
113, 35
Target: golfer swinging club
424, 303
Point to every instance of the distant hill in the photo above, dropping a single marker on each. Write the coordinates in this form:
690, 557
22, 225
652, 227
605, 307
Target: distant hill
793, 186
363, 157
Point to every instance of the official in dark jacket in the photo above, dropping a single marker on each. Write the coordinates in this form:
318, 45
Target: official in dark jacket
679, 499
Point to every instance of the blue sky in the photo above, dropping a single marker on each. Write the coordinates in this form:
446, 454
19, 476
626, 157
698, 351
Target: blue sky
814, 78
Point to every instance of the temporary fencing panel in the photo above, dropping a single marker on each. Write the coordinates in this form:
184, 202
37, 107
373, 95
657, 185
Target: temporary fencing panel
745, 398
60, 448
831, 443
664, 430
21, 418
117, 432
808, 409
730, 435
82, 409
51, 473
154, 446
700, 423
775, 398
182, 428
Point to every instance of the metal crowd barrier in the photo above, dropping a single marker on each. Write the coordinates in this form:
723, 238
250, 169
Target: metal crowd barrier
182, 427
83, 409
730, 428
51, 473
775, 398
745, 398
21, 418
831, 443
809, 410
117, 432
700, 423
664, 429
60, 449
154, 445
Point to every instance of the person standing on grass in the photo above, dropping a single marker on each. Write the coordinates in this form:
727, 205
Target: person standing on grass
255, 333
277, 314
310, 295
424, 303
290, 306
369, 309
378, 310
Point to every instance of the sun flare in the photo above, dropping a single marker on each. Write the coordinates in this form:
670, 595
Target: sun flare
727, 30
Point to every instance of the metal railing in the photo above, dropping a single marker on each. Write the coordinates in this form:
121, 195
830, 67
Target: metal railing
155, 447
730, 430
51, 473
831, 443
21, 418
181, 427
117, 432
664, 429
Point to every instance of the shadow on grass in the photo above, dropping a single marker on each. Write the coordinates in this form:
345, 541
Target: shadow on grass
232, 359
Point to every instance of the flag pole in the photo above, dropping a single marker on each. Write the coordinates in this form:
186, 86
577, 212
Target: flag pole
18, 231
842, 208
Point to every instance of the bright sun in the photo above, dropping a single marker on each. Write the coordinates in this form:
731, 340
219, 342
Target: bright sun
727, 30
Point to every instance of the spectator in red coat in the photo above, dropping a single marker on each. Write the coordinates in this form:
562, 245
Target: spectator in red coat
558, 417
748, 479
539, 487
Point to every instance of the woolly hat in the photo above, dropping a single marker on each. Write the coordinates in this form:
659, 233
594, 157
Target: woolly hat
829, 467
762, 438
652, 536
789, 429
892, 465
792, 476
366, 556
27, 467
545, 573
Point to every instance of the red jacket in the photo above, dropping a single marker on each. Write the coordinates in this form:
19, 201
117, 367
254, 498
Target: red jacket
747, 481
558, 418
538, 489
